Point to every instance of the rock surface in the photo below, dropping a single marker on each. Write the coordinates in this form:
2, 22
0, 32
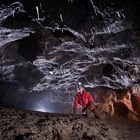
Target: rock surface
102, 52
19, 124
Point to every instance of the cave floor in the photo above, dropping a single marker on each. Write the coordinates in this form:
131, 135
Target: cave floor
18, 124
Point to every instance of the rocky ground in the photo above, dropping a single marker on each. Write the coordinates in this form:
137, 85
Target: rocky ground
21, 125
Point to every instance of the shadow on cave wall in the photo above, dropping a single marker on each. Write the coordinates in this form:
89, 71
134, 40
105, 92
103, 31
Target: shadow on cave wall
29, 47
26, 49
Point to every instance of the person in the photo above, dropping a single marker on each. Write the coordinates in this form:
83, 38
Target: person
84, 99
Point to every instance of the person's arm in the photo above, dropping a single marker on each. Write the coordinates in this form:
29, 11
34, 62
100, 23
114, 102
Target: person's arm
90, 102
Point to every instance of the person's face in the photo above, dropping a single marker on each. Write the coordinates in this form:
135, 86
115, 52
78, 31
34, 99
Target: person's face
81, 90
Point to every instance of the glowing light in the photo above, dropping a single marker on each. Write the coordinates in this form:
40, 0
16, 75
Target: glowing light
43, 108
51, 72
37, 10
118, 14
13, 14
61, 18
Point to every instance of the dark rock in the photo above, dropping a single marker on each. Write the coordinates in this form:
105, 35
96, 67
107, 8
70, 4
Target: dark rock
9, 92
11, 35
136, 102
19, 137
87, 137
62, 56
27, 74
18, 20
11, 52
78, 11
108, 70
29, 48
121, 109
25, 49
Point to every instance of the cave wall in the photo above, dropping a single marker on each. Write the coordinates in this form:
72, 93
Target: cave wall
79, 13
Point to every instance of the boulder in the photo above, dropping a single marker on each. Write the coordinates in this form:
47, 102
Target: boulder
105, 108
121, 109
10, 51
124, 106
136, 102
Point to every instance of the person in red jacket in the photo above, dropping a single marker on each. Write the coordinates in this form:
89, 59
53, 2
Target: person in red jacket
84, 99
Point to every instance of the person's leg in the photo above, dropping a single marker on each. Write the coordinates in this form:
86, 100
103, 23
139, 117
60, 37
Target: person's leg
90, 114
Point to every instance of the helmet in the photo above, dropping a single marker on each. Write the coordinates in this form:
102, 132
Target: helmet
80, 85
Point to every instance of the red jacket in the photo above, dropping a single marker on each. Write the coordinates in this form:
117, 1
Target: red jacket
84, 99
